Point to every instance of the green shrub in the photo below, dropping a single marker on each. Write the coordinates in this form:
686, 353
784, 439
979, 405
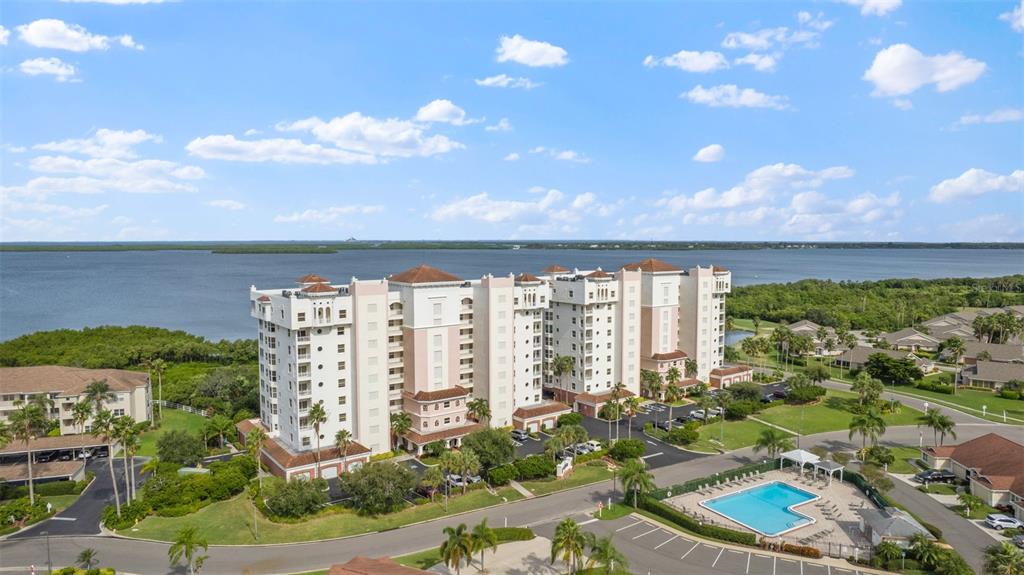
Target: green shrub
741, 409
592, 456
502, 474
688, 523
934, 386
131, 514
1009, 394
627, 449
51, 488
434, 448
684, 434
295, 498
506, 534
181, 447
535, 467
801, 550
569, 419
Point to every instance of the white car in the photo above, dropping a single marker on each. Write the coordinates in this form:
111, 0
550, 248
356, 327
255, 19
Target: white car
999, 521
594, 445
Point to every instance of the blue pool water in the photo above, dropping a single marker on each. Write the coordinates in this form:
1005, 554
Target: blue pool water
765, 508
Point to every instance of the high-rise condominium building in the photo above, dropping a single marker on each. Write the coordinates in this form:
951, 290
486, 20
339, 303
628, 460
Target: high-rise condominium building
428, 343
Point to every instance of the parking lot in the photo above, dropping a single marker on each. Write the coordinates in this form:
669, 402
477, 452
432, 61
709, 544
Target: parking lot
653, 548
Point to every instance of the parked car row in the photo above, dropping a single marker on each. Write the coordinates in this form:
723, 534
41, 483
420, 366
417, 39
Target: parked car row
1000, 521
455, 480
68, 455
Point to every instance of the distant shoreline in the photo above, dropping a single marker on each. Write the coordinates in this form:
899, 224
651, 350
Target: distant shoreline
270, 247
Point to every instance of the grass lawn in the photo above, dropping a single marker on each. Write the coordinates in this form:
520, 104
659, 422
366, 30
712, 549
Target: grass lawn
230, 522
764, 329
421, 560
60, 502
429, 460
938, 489
904, 456
976, 512
832, 414
974, 399
173, 419
737, 434
617, 510
580, 476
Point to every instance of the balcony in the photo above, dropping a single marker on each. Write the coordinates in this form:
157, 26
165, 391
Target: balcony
302, 338
305, 390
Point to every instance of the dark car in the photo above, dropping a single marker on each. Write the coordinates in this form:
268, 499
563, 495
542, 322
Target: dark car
781, 393
682, 419
1018, 540
666, 425
935, 476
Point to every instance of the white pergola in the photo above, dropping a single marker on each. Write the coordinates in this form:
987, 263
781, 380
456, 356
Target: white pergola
800, 457
829, 467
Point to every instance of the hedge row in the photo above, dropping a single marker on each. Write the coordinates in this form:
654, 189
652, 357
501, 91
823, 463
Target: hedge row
50, 488
77, 571
802, 550
690, 524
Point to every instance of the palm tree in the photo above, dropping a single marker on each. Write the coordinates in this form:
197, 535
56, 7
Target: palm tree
749, 346
342, 440
968, 501
567, 544
706, 402
925, 550
5, 434
651, 383
187, 544
433, 479
1002, 559
690, 367
561, 366
27, 422
773, 441
939, 423
458, 545
87, 558
469, 464
636, 479
316, 417
888, 551
757, 325
955, 347
673, 376
159, 366
103, 426
632, 406
479, 409
98, 392
401, 423
618, 392
130, 443
604, 555
220, 426
868, 424
611, 410
44, 402
867, 388
150, 466
80, 414
673, 393
482, 539
554, 446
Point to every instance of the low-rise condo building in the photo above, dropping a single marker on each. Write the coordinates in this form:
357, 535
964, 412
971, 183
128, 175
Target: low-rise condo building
427, 343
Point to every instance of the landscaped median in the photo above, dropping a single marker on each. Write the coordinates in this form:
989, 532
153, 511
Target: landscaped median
16, 513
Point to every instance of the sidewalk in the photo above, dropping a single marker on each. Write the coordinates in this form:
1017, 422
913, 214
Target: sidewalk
519, 487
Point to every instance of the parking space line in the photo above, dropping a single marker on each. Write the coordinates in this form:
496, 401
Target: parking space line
720, 551
653, 455
773, 564
663, 544
748, 563
647, 533
801, 568
630, 525
690, 551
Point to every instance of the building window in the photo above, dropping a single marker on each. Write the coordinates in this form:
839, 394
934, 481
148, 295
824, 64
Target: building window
342, 417
119, 412
447, 420
341, 348
342, 400
341, 383
302, 316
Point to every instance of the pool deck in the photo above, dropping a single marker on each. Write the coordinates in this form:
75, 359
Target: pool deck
836, 521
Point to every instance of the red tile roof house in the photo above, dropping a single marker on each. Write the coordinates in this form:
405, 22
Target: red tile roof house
589, 404
288, 465
993, 464
535, 417
723, 377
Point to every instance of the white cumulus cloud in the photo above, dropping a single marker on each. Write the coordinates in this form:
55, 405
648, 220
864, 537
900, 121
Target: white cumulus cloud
533, 53
901, 69
976, 182
104, 143
731, 96
875, 7
712, 153
280, 150
564, 155
485, 208
60, 70
1001, 116
690, 61
5, 34
760, 62
327, 215
1015, 17
59, 35
232, 205
512, 157
443, 111
506, 81
503, 125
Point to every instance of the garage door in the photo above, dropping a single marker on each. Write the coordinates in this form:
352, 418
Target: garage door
532, 427
329, 472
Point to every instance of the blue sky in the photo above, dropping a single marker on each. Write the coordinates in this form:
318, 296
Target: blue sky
858, 120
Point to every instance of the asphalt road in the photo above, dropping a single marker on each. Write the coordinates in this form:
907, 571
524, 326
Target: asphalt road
134, 556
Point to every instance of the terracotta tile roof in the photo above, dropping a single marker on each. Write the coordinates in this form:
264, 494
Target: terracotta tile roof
425, 438
718, 269
941, 450
690, 381
446, 393
543, 409
599, 274
50, 469
50, 443
424, 274
288, 459
677, 354
360, 565
66, 380
555, 269
598, 398
651, 265
320, 288
998, 460
525, 277
730, 370
247, 425
263, 298
312, 279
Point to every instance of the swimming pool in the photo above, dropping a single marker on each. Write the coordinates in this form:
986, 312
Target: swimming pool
765, 508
